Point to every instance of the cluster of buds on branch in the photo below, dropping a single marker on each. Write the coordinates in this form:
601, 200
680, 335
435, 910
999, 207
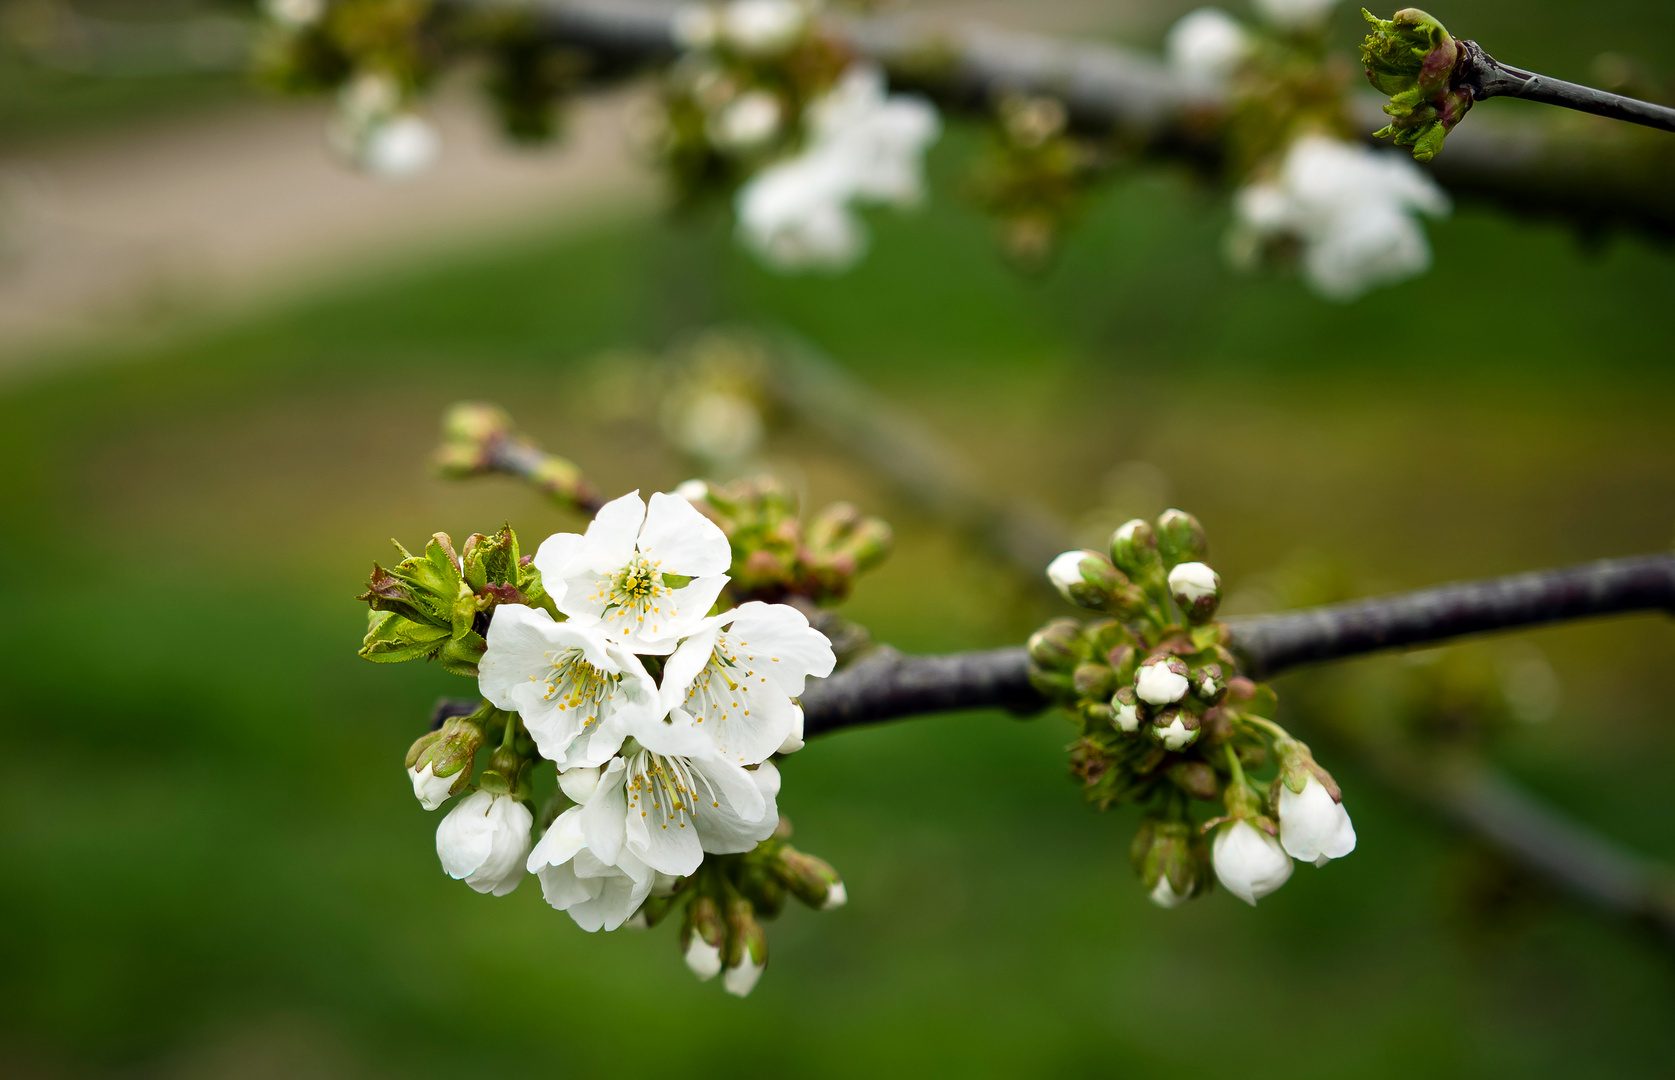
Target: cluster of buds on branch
1164, 721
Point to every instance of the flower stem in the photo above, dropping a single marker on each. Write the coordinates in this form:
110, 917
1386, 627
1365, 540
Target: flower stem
1487, 77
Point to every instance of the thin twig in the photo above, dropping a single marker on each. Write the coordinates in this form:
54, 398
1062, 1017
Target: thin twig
1487, 77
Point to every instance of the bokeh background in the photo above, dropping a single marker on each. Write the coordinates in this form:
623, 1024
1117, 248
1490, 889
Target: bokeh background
214, 865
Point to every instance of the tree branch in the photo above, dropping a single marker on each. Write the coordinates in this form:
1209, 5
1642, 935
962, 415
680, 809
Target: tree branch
1487, 77
1592, 179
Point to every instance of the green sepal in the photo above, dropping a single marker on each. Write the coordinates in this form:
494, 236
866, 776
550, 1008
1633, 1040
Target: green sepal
460, 655
392, 638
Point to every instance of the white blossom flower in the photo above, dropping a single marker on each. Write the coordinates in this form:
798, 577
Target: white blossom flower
1205, 47
763, 27
1125, 715
579, 693
1161, 680
735, 678
1295, 14
1176, 735
1249, 863
1194, 581
484, 841
599, 887
864, 146
1352, 207
748, 122
1314, 827
294, 14
614, 577
374, 130
431, 790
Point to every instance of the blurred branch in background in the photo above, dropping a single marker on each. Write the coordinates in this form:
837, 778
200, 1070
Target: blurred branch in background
1592, 178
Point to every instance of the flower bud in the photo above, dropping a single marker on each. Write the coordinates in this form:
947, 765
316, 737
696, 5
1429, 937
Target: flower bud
702, 938
1314, 827
1197, 589
1413, 59
1134, 548
761, 885
440, 763
1180, 538
1058, 645
1249, 863
1175, 728
1087, 579
1094, 680
1125, 710
485, 842
747, 949
794, 741
1196, 779
1161, 680
1208, 684
1171, 862
811, 880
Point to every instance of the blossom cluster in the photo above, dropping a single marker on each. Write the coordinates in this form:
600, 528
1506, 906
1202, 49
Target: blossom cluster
762, 96
1347, 213
600, 655
1164, 720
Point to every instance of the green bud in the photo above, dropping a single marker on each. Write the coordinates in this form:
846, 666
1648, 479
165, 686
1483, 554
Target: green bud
1053, 685
870, 544
1412, 58
448, 752
1195, 778
1094, 680
1172, 861
1134, 549
1180, 538
1297, 767
811, 880
747, 948
761, 885
1058, 645
508, 772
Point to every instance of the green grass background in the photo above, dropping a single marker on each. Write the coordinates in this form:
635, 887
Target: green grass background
214, 865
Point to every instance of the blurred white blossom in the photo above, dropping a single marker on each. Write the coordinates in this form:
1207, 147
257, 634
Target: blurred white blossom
1205, 47
864, 146
294, 14
1353, 209
1295, 14
376, 130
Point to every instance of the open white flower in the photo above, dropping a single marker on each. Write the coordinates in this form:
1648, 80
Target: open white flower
735, 678
484, 841
864, 145
1314, 827
578, 692
1249, 863
1206, 47
615, 576
1353, 208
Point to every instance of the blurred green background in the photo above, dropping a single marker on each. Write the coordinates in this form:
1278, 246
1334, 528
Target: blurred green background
215, 866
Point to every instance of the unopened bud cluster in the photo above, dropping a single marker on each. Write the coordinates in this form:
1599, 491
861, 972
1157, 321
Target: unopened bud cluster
735, 98
1412, 58
776, 555
479, 439
1035, 176
723, 906
1165, 722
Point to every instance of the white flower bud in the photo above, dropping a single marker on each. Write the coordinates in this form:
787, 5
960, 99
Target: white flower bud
1164, 895
578, 784
1314, 827
1066, 570
1194, 581
693, 490
1125, 715
1295, 14
695, 26
703, 958
794, 741
1249, 863
763, 27
1176, 736
836, 897
747, 122
1158, 681
294, 14
1206, 46
431, 790
484, 841
740, 981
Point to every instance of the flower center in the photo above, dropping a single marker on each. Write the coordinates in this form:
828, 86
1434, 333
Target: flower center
635, 593
577, 684
666, 790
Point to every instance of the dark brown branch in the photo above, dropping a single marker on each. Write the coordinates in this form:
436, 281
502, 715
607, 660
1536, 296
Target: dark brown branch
1487, 77
1528, 167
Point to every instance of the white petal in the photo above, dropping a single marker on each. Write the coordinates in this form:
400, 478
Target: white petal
684, 612
610, 538
560, 843
465, 838
688, 660
703, 958
562, 889
603, 816
680, 540
431, 790
669, 847
554, 558
740, 981
503, 870
743, 811
790, 649
794, 741
578, 785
